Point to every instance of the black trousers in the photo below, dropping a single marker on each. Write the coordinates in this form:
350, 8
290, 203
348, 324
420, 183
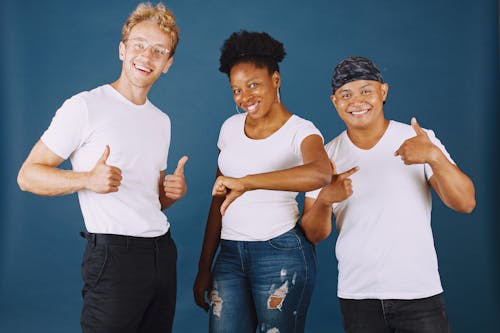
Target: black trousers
129, 284
424, 315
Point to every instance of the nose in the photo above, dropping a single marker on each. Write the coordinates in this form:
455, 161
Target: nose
356, 98
148, 52
243, 97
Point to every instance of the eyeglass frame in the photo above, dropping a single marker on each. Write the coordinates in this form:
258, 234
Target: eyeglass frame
158, 51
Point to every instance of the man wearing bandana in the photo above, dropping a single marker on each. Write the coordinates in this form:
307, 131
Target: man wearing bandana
380, 195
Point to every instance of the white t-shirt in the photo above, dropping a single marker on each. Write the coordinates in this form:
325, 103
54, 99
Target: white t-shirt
261, 214
385, 248
139, 139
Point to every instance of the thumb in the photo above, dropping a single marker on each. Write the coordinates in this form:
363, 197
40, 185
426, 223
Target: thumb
229, 198
105, 155
416, 126
179, 171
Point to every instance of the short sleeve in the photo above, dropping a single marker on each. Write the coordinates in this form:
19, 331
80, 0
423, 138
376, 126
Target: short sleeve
220, 141
302, 131
228, 128
168, 128
66, 131
435, 141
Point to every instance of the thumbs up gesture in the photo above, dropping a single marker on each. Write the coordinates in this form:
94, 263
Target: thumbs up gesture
419, 149
174, 184
340, 187
104, 178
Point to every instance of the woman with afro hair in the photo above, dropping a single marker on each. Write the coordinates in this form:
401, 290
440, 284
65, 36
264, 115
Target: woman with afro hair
264, 274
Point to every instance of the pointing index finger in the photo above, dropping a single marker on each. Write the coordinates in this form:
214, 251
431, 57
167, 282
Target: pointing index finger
350, 172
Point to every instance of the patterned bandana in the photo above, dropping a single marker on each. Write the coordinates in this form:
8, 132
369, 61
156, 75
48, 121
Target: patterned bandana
353, 69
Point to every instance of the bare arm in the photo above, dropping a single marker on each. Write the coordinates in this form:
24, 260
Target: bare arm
313, 174
211, 241
317, 218
172, 187
453, 187
40, 174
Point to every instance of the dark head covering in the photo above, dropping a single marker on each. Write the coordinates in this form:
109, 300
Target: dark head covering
353, 69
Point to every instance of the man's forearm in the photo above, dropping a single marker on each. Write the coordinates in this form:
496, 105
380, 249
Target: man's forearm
50, 181
317, 220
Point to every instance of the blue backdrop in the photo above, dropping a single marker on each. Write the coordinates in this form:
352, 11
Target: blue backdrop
439, 57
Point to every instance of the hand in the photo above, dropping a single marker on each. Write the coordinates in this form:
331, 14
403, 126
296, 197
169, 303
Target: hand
232, 188
419, 149
201, 288
104, 178
340, 187
175, 185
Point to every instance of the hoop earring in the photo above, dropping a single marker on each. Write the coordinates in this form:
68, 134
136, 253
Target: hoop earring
237, 109
278, 94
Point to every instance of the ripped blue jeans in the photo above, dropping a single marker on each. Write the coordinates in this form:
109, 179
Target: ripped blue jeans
263, 286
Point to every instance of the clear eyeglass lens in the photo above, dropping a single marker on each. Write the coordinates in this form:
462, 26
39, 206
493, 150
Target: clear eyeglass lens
142, 45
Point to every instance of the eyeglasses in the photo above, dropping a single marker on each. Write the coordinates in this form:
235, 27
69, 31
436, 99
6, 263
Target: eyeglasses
141, 45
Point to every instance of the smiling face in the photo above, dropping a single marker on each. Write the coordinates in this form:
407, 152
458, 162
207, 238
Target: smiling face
143, 55
254, 89
359, 104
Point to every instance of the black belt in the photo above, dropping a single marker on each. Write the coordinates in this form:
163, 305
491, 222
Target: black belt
127, 241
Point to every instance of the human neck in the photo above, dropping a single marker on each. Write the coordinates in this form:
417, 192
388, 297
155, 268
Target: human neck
136, 95
367, 138
264, 127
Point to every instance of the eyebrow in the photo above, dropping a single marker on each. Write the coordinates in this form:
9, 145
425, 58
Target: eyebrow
147, 41
251, 79
248, 81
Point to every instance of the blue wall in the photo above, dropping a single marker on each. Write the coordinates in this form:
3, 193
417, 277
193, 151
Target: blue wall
440, 58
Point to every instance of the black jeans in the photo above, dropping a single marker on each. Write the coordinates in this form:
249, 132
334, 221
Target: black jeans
129, 284
425, 315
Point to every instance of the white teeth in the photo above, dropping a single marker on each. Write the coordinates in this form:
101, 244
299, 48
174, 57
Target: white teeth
142, 68
252, 107
359, 112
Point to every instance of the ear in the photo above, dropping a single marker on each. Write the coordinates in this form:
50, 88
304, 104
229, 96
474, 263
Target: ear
169, 63
333, 98
276, 79
385, 90
121, 51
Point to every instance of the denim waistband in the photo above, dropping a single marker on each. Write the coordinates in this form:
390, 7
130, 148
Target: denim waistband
126, 241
